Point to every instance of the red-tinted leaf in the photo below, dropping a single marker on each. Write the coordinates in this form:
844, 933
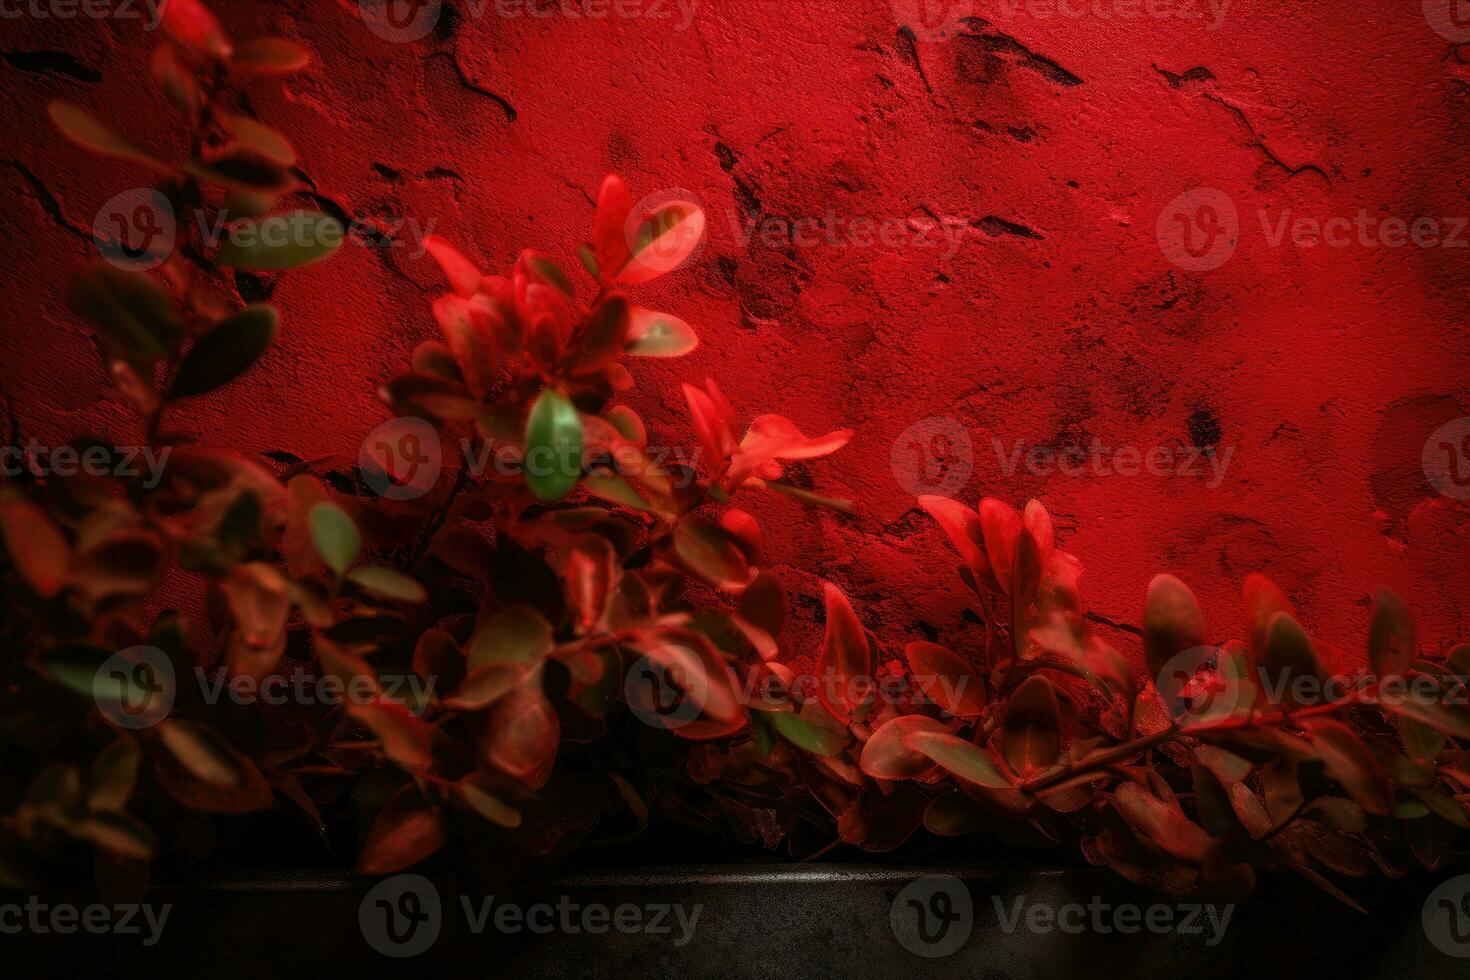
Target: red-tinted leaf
946, 679
610, 241
35, 545
1031, 735
713, 553
965, 533
1263, 600
1352, 763
845, 668
889, 755
1000, 525
659, 243
521, 733
204, 772
406, 832
590, 576
406, 740
1161, 822
191, 24
471, 339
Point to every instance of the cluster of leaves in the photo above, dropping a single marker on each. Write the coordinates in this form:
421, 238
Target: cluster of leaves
596, 634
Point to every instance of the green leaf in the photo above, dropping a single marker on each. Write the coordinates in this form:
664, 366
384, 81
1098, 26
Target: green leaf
129, 309
813, 730
1289, 655
270, 56
86, 130
225, 353
588, 258
553, 446
282, 242
1352, 763
241, 169
1172, 623
335, 536
1410, 703
75, 667
1031, 733
655, 334
1391, 636
712, 552
516, 635
489, 806
967, 761
257, 136
386, 583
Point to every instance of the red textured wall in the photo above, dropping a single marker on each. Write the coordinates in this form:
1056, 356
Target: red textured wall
1051, 143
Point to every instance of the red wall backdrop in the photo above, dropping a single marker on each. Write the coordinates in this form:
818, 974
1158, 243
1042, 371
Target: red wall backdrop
975, 222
